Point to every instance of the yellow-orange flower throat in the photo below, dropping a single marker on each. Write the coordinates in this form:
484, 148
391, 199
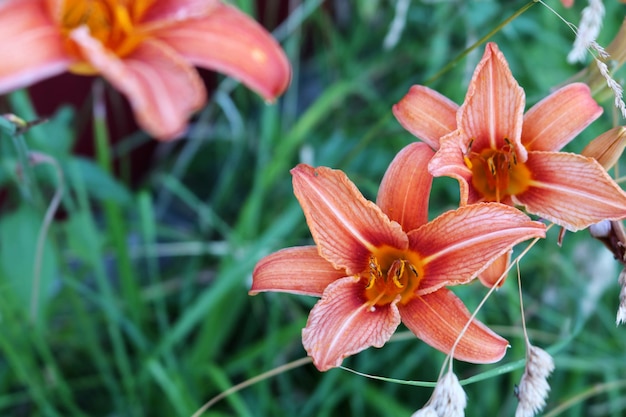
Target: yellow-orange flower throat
112, 22
392, 273
497, 173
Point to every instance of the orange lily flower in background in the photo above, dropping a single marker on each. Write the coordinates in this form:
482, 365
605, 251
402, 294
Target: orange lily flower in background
146, 49
498, 153
375, 265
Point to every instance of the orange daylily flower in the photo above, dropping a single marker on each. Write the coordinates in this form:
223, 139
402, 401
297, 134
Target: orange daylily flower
146, 49
498, 153
375, 265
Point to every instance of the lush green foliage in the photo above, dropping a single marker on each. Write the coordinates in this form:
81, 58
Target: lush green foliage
140, 306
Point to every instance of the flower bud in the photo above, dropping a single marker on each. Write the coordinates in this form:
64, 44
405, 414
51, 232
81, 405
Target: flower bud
608, 147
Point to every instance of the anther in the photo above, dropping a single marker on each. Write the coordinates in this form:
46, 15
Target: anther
492, 166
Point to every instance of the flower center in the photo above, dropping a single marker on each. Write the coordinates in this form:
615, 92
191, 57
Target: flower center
391, 274
111, 22
496, 173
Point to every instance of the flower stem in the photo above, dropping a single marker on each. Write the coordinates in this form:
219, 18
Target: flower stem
113, 213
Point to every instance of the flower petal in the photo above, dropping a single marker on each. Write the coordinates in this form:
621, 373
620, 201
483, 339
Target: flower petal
229, 41
460, 244
426, 114
449, 161
162, 88
490, 276
31, 47
571, 190
494, 105
405, 188
607, 148
342, 323
438, 318
557, 119
166, 12
298, 270
345, 226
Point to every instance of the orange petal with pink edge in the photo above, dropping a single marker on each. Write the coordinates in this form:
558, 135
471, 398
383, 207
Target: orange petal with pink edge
458, 245
345, 226
31, 47
298, 270
438, 318
494, 105
571, 190
229, 41
426, 114
405, 188
491, 275
557, 119
342, 324
162, 88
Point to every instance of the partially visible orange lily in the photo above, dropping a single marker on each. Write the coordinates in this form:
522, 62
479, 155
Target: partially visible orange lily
498, 153
146, 49
375, 265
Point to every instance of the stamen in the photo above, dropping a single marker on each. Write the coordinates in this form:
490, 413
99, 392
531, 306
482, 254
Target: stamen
396, 271
375, 272
492, 166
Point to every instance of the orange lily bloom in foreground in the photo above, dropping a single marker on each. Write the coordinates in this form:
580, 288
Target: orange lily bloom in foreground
375, 265
146, 49
498, 153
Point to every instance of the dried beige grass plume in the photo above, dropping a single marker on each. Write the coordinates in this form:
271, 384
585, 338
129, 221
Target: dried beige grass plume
534, 388
448, 399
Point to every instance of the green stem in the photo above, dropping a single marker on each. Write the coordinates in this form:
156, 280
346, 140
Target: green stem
114, 215
116, 226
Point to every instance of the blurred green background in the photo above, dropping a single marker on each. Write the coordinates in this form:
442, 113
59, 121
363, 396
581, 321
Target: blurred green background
142, 305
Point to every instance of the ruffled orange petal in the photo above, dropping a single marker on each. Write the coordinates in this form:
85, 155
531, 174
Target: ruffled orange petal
405, 188
426, 114
229, 41
438, 318
342, 324
557, 119
31, 46
448, 161
162, 88
298, 270
571, 190
345, 226
459, 244
494, 105
490, 276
